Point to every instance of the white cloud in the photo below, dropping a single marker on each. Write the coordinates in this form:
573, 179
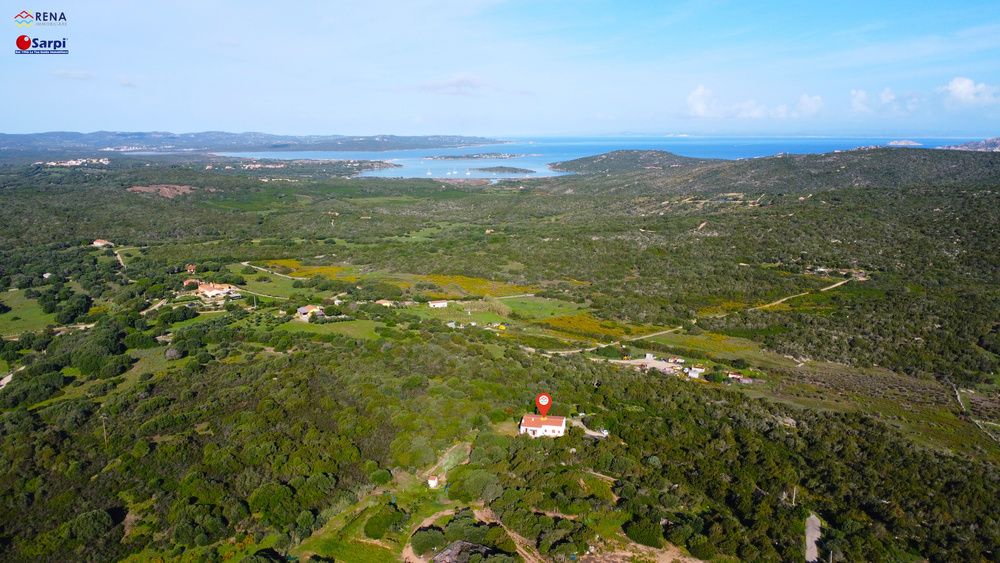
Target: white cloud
859, 101
887, 96
73, 74
126, 81
966, 91
807, 105
702, 103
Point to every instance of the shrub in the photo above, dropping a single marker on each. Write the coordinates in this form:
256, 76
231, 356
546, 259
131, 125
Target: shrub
644, 532
379, 524
381, 477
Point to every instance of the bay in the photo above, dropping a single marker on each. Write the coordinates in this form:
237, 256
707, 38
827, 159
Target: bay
536, 153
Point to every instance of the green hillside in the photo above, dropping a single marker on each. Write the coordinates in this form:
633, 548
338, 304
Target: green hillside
855, 293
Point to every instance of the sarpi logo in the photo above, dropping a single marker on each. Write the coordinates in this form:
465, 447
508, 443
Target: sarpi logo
29, 46
24, 19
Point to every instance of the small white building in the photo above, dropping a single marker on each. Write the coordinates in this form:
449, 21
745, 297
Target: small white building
432, 481
536, 425
101, 243
696, 371
650, 356
437, 304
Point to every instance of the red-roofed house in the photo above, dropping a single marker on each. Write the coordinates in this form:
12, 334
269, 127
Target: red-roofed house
536, 425
215, 289
100, 243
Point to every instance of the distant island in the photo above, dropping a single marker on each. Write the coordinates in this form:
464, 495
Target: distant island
209, 141
903, 144
485, 155
989, 145
504, 170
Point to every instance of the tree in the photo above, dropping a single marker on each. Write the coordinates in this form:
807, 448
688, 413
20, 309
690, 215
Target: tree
426, 540
645, 532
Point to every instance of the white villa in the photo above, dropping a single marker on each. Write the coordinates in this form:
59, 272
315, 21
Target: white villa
536, 425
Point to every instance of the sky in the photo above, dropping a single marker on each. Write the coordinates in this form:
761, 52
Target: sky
511, 68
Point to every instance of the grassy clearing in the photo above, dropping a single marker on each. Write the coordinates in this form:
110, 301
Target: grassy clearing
150, 360
231, 550
460, 313
463, 285
506, 428
350, 550
354, 329
540, 307
278, 286
298, 270
25, 315
202, 317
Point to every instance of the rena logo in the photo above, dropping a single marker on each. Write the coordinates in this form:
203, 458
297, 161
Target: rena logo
24, 19
24, 42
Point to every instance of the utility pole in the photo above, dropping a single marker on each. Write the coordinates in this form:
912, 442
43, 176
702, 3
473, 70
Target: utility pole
794, 492
104, 418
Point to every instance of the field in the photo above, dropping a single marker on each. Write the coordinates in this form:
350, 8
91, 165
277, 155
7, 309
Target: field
540, 308
25, 315
461, 312
464, 285
354, 329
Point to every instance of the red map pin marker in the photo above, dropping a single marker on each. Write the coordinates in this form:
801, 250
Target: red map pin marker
544, 401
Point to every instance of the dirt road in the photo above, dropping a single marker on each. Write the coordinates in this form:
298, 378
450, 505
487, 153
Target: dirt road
525, 548
812, 536
158, 304
838, 284
270, 272
783, 299
408, 556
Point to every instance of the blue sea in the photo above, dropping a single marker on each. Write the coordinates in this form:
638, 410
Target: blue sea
536, 153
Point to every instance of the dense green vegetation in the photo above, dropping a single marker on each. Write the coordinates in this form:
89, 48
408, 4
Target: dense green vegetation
231, 423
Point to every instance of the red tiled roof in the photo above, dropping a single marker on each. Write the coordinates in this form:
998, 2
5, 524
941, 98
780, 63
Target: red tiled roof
536, 421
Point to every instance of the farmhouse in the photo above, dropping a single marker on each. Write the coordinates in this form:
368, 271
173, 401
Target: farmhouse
437, 304
536, 425
308, 311
214, 289
101, 243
